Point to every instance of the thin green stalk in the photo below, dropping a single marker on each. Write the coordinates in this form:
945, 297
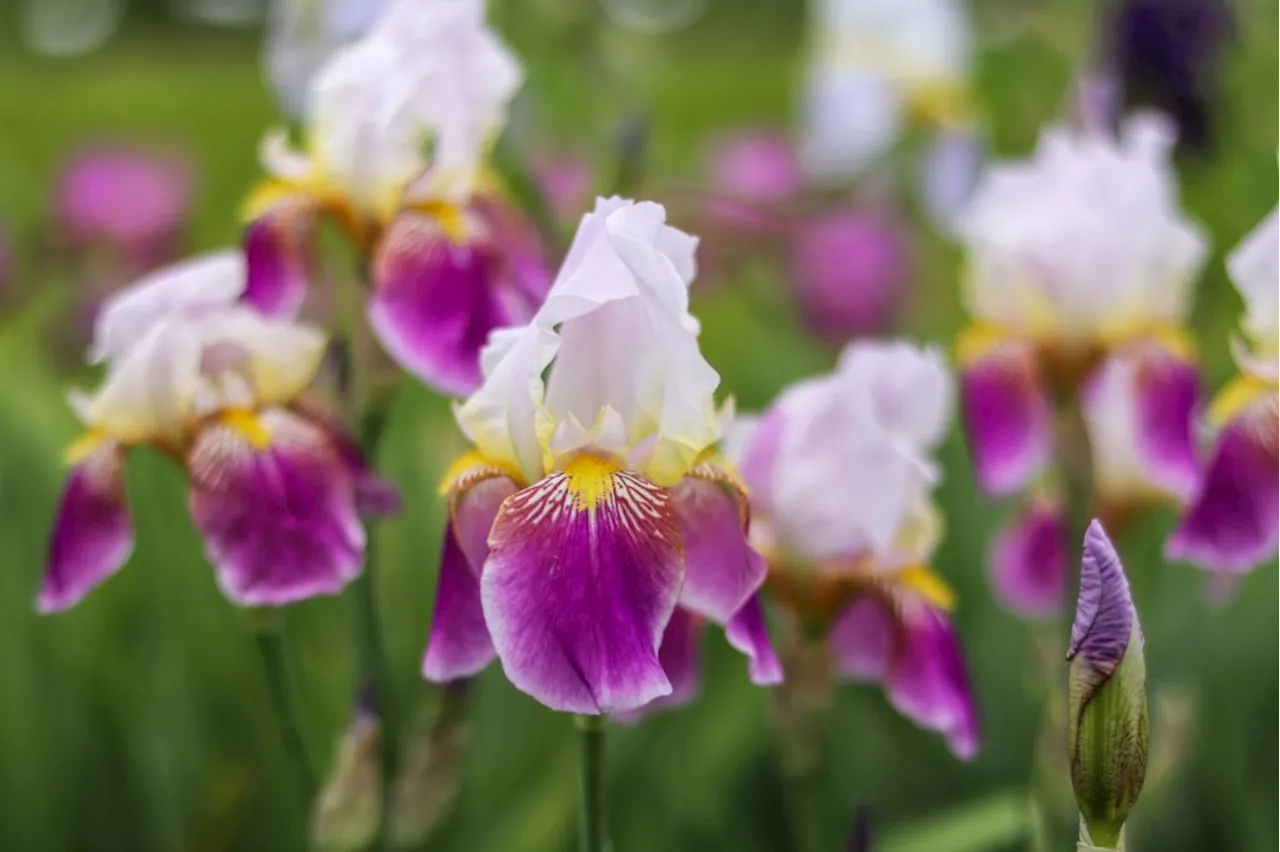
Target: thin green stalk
593, 831
803, 705
279, 668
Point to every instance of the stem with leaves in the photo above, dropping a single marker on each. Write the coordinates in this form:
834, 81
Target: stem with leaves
279, 668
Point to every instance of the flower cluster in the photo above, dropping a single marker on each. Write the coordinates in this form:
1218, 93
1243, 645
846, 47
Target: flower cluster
276, 487
840, 470
1077, 311
449, 259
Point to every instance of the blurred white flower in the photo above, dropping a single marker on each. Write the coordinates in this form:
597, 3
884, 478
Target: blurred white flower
302, 35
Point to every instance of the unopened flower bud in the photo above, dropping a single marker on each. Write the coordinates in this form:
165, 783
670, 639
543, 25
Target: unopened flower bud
348, 812
1107, 734
425, 789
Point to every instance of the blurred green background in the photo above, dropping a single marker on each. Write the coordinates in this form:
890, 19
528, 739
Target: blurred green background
140, 720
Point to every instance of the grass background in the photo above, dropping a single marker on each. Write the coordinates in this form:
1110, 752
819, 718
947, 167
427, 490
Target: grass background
140, 720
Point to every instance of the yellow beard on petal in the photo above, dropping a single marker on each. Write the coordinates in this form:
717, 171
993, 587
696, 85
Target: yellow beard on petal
473, 465
590, 479
248, 425
923, 581
1239, 393
84, 446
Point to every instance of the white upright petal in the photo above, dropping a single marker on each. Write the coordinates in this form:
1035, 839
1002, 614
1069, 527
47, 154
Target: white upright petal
302, 35
276, 358
363, 132
616, 324
854, 466
189, 288
150, 388
1084, 240
1255, 270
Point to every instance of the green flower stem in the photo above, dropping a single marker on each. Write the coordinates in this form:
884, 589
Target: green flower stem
803, 710
277, 663
1086, 843
593, 824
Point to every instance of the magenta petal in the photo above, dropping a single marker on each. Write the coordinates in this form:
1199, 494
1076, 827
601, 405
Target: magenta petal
928, 682
437, 298
577, 594
722, 569
375, 497
1028, 561
277, 250
1008, 421
280, 522
748, 632
92, 533
862, 641
1231, 523
912, 649
459, 645
1168, 398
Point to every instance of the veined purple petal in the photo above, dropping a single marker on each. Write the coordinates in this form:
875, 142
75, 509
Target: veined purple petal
680, 656
523, 268
376, 497
748, 632
1231, 523
722, 570
1028, 561
911, 647
584, 570
434, 302
928, 682
1139, 405
1007, 418
277, 248
276, 507
1104, 611
459, 645
92, 533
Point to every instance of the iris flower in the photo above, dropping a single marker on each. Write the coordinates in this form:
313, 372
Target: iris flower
1081, 272
877, 65
840, 471
1231, 522
449, 258
593, 525
275, 486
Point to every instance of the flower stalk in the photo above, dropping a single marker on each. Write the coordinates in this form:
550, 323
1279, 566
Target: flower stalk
803, 709
592, 821
278, 665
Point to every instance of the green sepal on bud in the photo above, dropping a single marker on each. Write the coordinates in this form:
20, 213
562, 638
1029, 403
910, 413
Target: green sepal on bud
1108, 728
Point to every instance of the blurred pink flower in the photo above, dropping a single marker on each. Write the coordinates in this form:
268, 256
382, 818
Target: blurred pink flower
754, 164
849, 268
127, 197
566, 181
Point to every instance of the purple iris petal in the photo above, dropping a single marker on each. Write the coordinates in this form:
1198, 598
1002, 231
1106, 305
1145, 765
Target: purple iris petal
911, 647
375, 497
459, 645
1008, 422
1104, 612
1168, 398
279, 522
579, 586
755, 164
748, 632
436, 297
723, 570
277, 247
92, 533
1231, 523
680, 657
1028, 561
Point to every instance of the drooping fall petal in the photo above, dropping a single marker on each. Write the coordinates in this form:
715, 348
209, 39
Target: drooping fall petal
459, 645
435, 302
276, 508
1231, 523
583, 574
1028, 560
92, 533
748, 632
723, 570
278, 247
1007, 418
